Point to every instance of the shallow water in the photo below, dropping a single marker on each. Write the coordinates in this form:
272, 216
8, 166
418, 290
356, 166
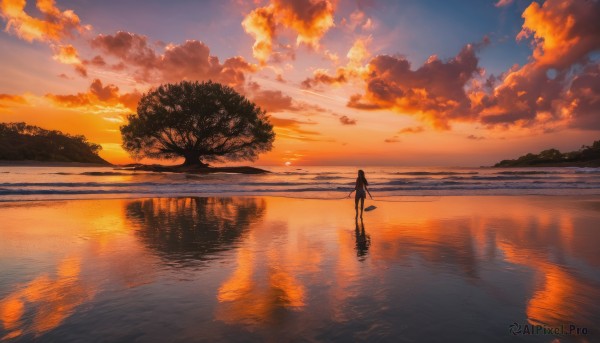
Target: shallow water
52, 183
278, 269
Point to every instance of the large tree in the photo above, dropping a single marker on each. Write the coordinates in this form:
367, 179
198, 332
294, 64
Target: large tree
202, 122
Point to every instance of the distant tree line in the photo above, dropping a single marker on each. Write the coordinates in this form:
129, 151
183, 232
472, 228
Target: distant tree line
586, 156
19, 141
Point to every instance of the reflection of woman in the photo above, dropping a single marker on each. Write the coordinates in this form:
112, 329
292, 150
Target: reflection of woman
363, 241
360, 188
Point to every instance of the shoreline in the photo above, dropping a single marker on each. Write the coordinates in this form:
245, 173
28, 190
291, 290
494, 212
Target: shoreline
394, 198
32, 163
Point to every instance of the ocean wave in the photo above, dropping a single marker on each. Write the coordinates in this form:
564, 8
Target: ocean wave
97, 173
420, 173
526, 172
88, 184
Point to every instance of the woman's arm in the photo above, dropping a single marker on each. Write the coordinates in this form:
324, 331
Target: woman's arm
368, 191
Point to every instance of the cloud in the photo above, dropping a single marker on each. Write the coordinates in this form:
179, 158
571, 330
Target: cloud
562, 32
503, 3
99, 98
273, 101
188, 61
260, 24
357, 19
354, 68
393, 139
311, 19
291, 128
582, 100
322, 76
435, 91
7, 100
416, 129
476, 138
54, 25
347, 121
558, 87
308, 19
66, 54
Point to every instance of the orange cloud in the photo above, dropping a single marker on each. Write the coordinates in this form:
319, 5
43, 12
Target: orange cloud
559, 86
7, 100
99, 98
291, 128
188, 61
260, 24
563, 31
53, 27
435, 92
308, 19
67, 54
356, 56
311, 19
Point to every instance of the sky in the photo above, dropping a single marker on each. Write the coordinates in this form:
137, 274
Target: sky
347, 82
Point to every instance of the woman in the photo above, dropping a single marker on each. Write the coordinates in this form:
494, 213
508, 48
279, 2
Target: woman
360, 188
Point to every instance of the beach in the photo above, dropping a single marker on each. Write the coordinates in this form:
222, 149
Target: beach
271, 268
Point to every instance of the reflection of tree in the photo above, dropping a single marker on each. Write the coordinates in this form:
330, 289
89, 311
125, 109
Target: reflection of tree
184, 228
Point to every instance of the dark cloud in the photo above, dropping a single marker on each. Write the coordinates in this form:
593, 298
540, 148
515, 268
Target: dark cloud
347, 121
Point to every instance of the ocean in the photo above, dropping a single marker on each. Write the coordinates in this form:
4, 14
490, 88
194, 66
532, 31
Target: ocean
320, 182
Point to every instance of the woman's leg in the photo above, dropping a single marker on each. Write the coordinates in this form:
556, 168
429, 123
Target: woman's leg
356, 206
362, 205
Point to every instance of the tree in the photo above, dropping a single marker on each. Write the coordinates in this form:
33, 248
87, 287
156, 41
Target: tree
202, 122
19, 141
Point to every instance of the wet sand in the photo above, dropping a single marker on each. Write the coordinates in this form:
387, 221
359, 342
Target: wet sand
459, 268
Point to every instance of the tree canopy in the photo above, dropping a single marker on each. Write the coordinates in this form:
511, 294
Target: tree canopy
201, 122
19, 141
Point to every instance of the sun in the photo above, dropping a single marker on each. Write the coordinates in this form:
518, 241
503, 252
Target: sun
288, 163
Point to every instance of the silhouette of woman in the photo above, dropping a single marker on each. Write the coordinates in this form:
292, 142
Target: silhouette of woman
360, 188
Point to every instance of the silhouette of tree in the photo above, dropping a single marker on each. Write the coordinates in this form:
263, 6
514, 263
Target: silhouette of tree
19, 141
586, 156
198, 121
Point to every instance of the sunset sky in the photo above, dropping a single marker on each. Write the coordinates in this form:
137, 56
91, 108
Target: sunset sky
371, 82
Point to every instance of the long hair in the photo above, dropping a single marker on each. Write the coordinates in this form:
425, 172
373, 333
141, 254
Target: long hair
361, 175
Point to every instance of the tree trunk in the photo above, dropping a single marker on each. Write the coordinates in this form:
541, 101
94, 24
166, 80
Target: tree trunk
193, 159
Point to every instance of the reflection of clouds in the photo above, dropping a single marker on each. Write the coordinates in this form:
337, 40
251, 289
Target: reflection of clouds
52, 300
94, 237
526, 233
559, 294
262, 285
